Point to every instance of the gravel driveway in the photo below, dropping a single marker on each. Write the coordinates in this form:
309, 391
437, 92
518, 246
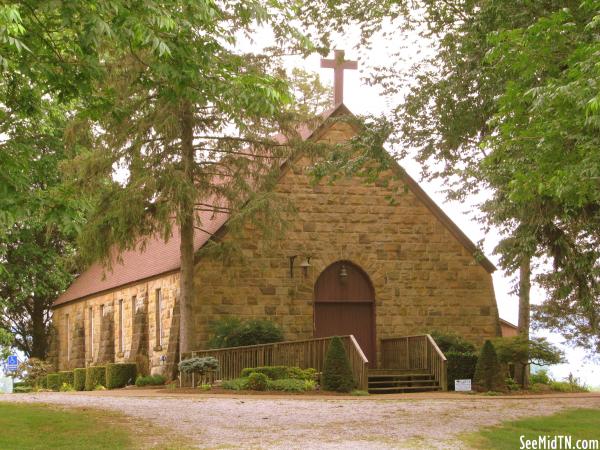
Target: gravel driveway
297, 423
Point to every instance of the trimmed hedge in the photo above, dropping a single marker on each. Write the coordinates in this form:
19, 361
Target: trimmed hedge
66, 376
120, 374
43, 382
488, 373
281, 372
79, 379
95, 376
258, 381
291, 385
282, 384
461, 365
237, 384
53, 381
150, 380
337, 373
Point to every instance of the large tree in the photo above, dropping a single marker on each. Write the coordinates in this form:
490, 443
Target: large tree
506, 103
190, 121
36, 241
155, 89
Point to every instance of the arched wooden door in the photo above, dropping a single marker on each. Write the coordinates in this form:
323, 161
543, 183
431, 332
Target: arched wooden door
345, 304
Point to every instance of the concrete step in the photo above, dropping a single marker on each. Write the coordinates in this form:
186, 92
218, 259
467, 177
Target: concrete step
396, 371
402, 382
407, 376
397, 389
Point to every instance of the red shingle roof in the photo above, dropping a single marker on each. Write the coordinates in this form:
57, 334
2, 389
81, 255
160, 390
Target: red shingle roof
160, 257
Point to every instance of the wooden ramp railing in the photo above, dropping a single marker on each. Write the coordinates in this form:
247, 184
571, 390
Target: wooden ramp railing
304, 354
415, 352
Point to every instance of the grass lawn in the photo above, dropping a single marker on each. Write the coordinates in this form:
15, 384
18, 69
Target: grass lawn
40, 426
578, 423
27, 426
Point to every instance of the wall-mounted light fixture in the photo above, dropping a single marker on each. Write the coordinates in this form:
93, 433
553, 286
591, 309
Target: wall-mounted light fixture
343, 274
305, 265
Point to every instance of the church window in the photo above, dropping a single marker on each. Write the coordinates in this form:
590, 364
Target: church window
159, 330
91, 322
133, 310
121, 343
68, 325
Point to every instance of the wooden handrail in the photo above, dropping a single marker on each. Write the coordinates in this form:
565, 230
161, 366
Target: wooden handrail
307, 353
259, 345
415, 352
435, 347
358, 349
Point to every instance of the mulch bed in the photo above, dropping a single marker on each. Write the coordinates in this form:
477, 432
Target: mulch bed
219, 390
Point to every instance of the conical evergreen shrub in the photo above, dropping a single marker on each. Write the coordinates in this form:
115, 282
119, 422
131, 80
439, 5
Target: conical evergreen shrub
337, 374
488, 373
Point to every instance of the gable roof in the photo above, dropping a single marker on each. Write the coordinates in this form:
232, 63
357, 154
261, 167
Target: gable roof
160, 257
508, 324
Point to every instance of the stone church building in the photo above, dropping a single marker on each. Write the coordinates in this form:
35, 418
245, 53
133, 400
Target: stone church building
351, 262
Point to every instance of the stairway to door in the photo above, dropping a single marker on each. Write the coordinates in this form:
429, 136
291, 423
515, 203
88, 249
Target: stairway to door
390, 381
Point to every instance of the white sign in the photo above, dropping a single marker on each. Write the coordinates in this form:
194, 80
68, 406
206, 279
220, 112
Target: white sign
462, 385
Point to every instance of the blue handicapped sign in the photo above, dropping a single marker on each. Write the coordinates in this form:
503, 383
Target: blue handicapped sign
12, 362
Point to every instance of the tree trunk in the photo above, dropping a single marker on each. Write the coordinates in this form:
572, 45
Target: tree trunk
522, 370
186, 226
39, 344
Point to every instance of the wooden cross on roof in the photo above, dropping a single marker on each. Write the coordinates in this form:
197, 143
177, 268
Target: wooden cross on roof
338, 64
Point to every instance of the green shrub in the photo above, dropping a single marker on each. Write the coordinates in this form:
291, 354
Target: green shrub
511, 384
150, 380
23, 389
539, 387
42, 382
451, 342
359, 393
94, 376
540, 377
53, 381
291, 385
66, 376
79, 379
120, 374
237, 384
234, 332
99, 387
460, 365
281, 372
488, 373
570, 384
199, 366
66, 387
32, 371
257, 381
337, 374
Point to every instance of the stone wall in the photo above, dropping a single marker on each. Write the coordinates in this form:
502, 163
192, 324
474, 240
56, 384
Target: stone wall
424, 278
140, 337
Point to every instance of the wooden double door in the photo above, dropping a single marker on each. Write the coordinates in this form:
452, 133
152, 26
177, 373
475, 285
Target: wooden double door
345, 304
